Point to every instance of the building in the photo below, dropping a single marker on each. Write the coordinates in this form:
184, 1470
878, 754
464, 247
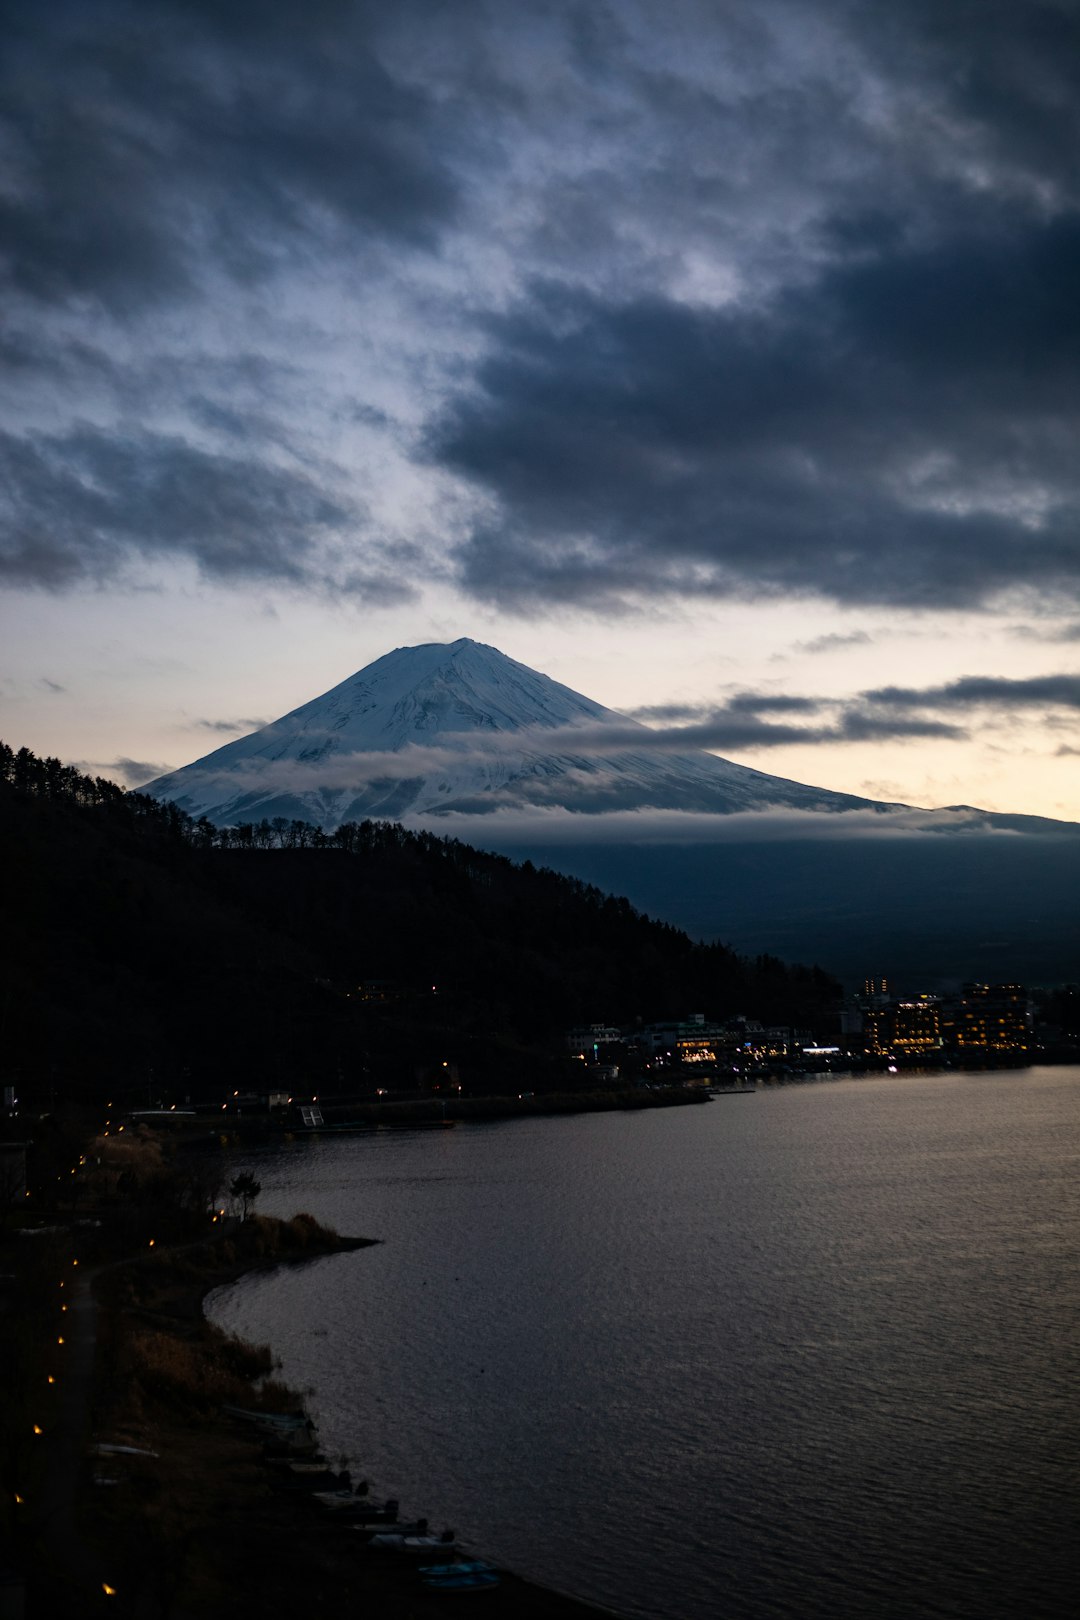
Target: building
688, 1040
904, 1028
992, 1018
587, 1041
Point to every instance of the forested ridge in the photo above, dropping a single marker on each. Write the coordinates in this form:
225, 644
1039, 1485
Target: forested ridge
143, 947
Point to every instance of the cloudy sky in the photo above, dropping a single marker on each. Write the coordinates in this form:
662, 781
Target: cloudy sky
720, 360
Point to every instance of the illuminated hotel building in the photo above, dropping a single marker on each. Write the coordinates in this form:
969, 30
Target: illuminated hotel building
904, 1028
993, 1018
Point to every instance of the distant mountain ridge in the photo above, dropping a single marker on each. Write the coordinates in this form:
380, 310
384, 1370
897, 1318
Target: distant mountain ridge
462, 728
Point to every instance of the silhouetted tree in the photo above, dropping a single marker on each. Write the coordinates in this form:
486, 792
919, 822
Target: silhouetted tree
246, 1189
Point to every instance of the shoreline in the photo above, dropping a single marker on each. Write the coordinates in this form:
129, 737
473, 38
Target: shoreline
223, 1523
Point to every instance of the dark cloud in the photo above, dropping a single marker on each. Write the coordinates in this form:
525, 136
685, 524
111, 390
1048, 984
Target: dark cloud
879, 714
736, 726
898, 434
835, 641
230, 728
858, 725
771, 703
740, 703
994, 691
1009, 76
784, 296
673, 712
133, 772
79, 506
148, 141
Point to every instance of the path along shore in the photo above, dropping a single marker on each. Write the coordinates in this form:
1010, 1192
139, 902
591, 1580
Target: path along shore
195, 1530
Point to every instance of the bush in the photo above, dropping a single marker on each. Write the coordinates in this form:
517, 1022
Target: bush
306, 1231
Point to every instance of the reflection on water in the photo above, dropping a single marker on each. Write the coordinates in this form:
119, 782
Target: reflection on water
810, 1352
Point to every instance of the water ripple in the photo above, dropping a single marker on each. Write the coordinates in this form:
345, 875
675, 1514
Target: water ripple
808, 1355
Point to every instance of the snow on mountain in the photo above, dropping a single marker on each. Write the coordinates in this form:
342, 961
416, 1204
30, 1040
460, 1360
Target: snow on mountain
461, 727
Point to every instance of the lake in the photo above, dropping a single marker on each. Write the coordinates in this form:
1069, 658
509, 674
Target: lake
809, 1352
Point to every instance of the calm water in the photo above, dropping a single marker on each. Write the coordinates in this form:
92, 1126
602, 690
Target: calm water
807, 1353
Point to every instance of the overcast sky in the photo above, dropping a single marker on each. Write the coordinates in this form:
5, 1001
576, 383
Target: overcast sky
719, 360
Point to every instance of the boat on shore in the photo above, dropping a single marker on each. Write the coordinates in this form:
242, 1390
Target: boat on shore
272, 1421
365, 1531
346, 1505
461, 1566
414, 1546
479, 1580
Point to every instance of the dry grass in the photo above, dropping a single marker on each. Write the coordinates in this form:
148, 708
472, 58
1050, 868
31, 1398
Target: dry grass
200, 1373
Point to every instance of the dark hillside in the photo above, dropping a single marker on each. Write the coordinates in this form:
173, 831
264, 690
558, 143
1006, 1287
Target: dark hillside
145, 949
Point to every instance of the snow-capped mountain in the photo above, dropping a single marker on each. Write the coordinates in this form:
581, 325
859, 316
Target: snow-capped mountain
461, 727
427, 732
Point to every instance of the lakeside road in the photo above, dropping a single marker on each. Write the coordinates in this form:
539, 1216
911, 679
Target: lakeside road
70, 1571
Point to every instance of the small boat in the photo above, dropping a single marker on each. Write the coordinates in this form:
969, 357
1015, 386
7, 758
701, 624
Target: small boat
414, 1546
269, 1420
463, 1566
347, 1505
367, 1531
480, 1580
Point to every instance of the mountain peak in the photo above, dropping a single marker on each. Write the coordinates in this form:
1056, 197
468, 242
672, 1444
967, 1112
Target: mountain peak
459, 726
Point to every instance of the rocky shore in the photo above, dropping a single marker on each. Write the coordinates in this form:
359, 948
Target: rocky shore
191, 1519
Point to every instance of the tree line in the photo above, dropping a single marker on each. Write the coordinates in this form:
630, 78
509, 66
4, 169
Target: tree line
48, 778
144, 942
